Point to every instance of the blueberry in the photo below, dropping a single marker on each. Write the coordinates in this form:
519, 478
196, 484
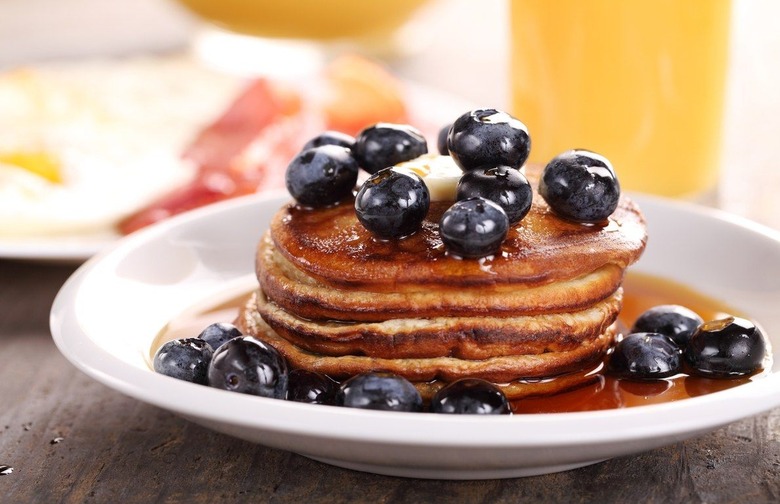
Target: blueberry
218, 334
675, 321
580, 186
645, 356
310, 387
321, 176
474, 227
384, 145
249, 366
185, 359
488, 137
500, 184
392, 203
441, 142
470, 396
330, 138
727, 347
379, 391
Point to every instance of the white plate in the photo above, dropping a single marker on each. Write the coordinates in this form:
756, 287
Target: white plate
66, 249
149, 277
430, 109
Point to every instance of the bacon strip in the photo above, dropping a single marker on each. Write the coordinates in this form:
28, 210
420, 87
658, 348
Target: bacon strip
259, 106
247, 149
217, 151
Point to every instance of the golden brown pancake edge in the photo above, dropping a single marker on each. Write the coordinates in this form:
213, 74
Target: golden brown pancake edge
331, 246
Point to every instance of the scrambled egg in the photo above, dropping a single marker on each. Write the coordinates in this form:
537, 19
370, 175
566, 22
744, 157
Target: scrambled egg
83, 145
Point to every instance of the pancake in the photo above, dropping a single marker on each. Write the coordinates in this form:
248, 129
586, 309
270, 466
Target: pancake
498, 369
331, 246
536, 318
296, 292
476, 337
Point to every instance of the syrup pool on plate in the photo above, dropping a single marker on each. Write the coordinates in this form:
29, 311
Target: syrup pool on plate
641, 292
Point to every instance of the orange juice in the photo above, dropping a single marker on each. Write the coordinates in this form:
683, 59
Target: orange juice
307, 19
638, 81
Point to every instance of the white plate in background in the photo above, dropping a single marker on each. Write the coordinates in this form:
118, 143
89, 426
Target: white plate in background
429, 108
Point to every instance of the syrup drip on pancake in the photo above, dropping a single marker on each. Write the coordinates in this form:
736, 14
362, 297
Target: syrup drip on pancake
332, 246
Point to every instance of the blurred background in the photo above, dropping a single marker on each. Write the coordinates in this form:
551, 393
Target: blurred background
454, 34
457, 47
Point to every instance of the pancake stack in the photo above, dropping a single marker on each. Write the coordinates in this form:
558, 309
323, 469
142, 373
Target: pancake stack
535, 319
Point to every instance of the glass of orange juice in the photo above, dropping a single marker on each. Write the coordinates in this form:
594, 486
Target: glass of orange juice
274, 36
641, 82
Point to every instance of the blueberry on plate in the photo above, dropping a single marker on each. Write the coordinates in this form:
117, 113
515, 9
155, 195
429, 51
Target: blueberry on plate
379, 391
441, 141
219, 333
385, 144
321, 176
726, 348
185, 359
310, 387
488, 137
474, 227
645, 356
249, 366
675, 321
392, 203
330, 138
500, 184
581, 186
470, 396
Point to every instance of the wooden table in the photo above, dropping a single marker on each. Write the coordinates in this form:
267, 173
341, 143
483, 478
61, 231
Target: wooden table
71, 439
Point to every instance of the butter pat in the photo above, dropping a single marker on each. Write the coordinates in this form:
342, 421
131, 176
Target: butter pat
440, 174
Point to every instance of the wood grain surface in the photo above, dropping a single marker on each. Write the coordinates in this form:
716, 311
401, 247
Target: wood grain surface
71, 439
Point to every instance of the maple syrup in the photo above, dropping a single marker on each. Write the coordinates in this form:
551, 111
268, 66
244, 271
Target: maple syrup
641, 292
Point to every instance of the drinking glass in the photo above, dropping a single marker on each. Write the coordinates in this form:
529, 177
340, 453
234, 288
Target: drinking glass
641, 82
